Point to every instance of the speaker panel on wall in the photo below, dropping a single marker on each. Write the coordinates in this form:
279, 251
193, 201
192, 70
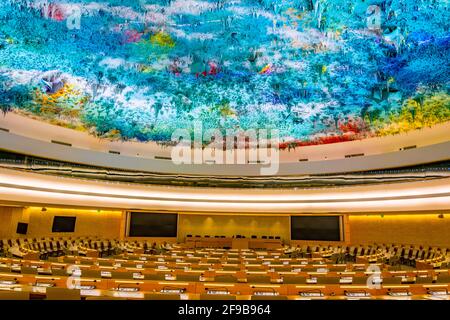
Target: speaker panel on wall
22, 228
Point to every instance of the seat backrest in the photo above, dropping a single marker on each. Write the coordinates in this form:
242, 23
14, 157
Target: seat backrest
258, 279
188, 277
55, 293
59, 272
205, 296
262, 297
225, 278
392, 280
87, 273
28, 270
161, 296
360, 280
328, 280
294, 279
14, 295
443, 278
121, 275
157, 276
424, 280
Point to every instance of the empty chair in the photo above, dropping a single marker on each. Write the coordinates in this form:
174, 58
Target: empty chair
231, 268
28, 270
121, 275
360, 280
55, 293
59, 272
104, 298
263, 297
338, 268
87, 273
205, 296
14, 295
5, 269
225, 278
188, 277
258, 279
392, 280
157, 276
328, 280
161, 296
294, 279
424, 280
443, 278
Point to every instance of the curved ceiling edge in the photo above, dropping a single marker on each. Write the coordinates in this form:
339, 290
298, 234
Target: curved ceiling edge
21, 144
45, 190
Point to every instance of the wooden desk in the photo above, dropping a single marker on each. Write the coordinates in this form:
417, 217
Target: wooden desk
234, 243
240, 243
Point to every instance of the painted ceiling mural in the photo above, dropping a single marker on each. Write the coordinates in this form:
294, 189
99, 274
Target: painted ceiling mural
319, 71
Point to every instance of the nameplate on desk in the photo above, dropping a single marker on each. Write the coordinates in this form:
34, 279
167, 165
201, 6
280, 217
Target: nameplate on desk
265, 293
173, 291
311, 294
311, 280
44, 284
322, 270
266, 263
128, 289
105, 274
346, 280
162, 267
8, 282
438, 292
357, 294
117, 265
138, 275
170, 277
399, 293
217, 292
143, 258
84, 287
160, 259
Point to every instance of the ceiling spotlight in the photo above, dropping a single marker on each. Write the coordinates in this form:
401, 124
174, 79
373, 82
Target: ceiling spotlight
43, 209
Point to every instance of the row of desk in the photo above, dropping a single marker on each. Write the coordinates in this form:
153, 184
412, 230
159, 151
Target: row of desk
134, 289
234, 243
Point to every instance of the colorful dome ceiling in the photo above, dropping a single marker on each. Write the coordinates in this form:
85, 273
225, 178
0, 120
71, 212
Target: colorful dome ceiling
318, 71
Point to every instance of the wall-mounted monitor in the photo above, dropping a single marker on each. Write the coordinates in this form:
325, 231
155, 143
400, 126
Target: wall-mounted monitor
318, 228
148, 224
64, 224
22, 228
